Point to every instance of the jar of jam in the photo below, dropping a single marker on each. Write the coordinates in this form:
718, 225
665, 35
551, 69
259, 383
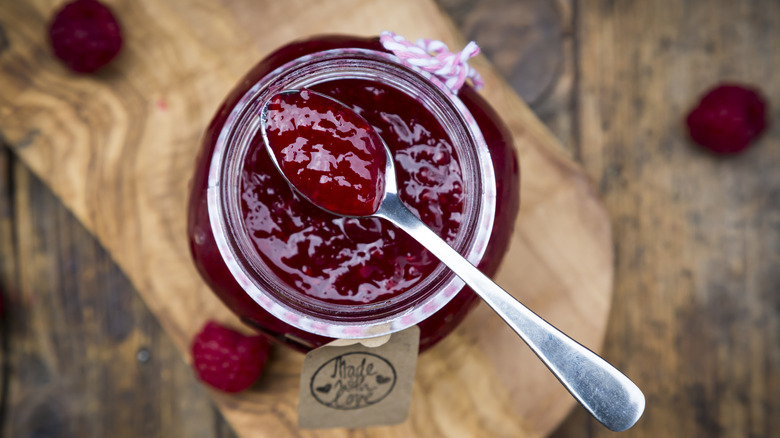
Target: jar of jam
304, 276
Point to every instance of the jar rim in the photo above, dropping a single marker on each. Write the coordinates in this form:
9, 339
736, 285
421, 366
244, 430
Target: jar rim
241, 127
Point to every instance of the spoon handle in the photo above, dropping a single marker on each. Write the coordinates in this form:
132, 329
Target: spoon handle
605, 392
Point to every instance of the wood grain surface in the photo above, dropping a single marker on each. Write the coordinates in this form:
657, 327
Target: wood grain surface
696, 314
117, 149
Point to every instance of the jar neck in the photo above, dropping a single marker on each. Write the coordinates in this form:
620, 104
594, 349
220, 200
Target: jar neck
235, 244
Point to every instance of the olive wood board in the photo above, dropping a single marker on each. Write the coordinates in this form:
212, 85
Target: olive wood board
118, 149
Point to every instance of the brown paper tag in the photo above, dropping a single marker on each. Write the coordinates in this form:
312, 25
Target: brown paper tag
359, 385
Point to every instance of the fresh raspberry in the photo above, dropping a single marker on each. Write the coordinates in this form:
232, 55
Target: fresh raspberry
728, 118
85, 35
226, 359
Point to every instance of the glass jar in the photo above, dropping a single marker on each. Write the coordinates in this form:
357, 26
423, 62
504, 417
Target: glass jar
271, 258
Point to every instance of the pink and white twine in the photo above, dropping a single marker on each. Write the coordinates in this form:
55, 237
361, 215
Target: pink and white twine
434, 57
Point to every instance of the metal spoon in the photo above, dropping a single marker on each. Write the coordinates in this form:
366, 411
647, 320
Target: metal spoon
605, 392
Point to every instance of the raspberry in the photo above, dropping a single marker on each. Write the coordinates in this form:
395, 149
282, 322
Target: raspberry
728, 118
226, 359
85, 35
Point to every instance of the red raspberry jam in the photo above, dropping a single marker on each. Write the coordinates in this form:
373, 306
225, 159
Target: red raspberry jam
328, 152
365, 260
261, 248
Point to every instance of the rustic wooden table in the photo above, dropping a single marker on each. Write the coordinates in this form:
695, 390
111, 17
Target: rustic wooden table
696, 312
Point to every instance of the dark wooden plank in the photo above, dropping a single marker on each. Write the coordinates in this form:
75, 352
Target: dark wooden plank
87, 357
531, 44
7, 277
696, 315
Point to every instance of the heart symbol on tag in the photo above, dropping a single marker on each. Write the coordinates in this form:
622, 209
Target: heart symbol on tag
324, 389
380, 379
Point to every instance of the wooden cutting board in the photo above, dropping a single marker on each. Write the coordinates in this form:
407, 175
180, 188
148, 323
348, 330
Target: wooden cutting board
118, 149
